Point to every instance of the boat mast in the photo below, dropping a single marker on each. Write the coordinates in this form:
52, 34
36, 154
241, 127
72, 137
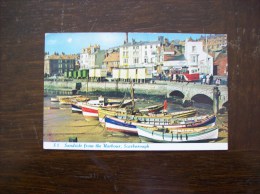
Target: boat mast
132, 94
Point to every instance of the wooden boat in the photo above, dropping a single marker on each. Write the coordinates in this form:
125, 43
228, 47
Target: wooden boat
102, 113
90, 110
77, 107
54, 99
72, 99
129, 124
177, 135
151, 109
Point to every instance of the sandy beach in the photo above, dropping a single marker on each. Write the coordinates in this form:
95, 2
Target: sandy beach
60, 124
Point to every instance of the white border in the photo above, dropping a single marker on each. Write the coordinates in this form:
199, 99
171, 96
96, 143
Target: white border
106, 146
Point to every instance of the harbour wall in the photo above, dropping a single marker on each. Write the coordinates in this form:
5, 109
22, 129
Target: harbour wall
139, 88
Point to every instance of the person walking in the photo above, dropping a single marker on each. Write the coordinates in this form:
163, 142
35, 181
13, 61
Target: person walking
218, 81
204, 79
210, 79
207, 79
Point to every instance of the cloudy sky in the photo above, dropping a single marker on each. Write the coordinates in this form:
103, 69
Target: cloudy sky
72, 43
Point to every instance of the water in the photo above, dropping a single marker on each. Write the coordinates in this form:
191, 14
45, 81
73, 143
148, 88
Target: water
60, 123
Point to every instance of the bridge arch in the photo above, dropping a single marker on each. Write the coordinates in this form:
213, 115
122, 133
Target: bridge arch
177, 93
225, 104
202, 98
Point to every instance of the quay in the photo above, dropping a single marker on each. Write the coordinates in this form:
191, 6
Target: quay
186, 91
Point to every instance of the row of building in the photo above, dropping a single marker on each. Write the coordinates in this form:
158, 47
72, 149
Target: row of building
208, 54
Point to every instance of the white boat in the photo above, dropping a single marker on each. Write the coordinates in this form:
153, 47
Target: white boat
90, 109
128, 124
176, 136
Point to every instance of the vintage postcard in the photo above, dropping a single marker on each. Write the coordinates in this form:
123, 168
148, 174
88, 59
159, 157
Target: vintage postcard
135, 91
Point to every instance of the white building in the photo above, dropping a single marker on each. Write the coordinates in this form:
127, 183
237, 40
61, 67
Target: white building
91, 57
139, 54
196, 57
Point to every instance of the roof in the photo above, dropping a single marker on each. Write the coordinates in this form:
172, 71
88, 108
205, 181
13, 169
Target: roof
112, 57
63, 57
140, 43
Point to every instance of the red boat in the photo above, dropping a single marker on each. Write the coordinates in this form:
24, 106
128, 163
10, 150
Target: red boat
90, 110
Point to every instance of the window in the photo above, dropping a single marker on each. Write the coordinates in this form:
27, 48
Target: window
194, 49
193, 59
145, 53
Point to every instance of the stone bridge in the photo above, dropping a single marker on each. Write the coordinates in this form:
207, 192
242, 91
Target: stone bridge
197, 91
186, 91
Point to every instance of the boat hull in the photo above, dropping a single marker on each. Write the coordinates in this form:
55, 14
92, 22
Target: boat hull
90, 112
118, 126
147, 135
76, 109
126, 126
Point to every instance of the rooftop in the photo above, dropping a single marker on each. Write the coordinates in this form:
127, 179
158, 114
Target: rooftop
112, 57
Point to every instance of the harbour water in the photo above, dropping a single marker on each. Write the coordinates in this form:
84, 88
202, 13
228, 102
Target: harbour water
60, 123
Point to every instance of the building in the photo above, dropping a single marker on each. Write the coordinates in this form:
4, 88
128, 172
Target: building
172, 56
111, 60
91, 57
59, 64
221, 65
139, 54
214, 42
196, 57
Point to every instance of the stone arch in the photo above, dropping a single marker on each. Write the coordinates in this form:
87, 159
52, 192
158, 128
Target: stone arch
225, 104
202, 98
177, 93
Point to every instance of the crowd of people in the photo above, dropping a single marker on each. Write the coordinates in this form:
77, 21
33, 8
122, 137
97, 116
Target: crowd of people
206, 79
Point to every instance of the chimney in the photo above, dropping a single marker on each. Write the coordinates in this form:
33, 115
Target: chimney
126, 37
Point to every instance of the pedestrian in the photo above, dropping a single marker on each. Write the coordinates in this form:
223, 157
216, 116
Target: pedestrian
204, 79
218, 81
207, 79
182, 78
210, 79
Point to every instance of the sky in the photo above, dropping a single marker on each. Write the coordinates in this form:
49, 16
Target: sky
72, 43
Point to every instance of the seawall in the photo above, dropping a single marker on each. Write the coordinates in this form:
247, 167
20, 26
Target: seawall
139, 88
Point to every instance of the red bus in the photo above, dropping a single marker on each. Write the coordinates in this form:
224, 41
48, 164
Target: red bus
188, 74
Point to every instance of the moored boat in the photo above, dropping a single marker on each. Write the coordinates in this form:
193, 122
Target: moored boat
129, 124
102, 113
177, 135
152, 109
53, 99
68, 100
90, 110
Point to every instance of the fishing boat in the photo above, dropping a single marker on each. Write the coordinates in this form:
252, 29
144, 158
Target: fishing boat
77, 107
151, 109
90, 109
128, 124
203, 134
68, 100
102, 113
53, 99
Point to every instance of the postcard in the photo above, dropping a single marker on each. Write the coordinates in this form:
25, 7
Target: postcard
135, 91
